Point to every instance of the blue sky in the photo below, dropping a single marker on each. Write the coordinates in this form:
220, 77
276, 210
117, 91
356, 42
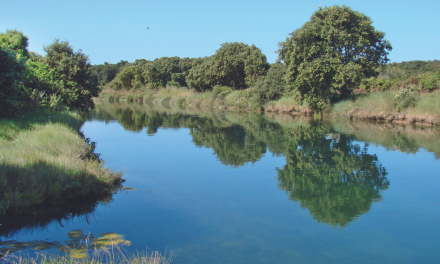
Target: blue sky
114, 30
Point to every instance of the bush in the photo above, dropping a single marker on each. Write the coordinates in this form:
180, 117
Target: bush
220, 91
272, 87
173, 84
406, 97
431, 82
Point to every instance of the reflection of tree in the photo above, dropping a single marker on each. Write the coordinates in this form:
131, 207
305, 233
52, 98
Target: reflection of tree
404, 144
333, 176
233, 145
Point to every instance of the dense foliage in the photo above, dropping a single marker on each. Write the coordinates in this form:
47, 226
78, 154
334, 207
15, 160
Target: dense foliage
62, 79
13, 55
153, 74
10, 72
73, 75
14, 41
273, 86
106, 72
425, 74
330, 55
406, 69
234, 65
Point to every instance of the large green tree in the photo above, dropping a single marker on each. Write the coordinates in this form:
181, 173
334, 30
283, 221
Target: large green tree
331, 54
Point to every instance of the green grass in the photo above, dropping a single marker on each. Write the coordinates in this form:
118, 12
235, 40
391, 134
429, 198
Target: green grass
10, 128
44, 161
429, 104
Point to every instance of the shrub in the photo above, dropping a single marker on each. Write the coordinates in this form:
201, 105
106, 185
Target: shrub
406, 97
220, 91
431, 82
272, 87
173, 83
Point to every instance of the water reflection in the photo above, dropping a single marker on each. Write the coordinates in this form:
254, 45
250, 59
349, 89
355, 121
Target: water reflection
332, 176
233, 145
329, 173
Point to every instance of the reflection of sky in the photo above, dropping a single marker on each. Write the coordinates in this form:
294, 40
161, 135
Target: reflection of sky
189, 203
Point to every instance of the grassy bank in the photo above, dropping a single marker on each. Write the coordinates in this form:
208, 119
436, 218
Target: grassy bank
380, 106
44, 161
377, 106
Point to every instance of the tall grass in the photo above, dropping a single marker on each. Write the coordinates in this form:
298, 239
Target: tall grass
373, 103
43, 161
428, 103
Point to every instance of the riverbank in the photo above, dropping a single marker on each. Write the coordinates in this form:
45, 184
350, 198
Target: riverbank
45, 161
377, 106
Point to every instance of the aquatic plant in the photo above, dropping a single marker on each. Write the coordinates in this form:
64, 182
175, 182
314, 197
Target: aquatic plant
80, 248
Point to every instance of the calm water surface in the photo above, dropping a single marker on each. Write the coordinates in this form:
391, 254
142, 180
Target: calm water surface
236, 188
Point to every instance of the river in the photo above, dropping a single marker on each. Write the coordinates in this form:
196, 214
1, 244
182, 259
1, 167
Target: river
225, 187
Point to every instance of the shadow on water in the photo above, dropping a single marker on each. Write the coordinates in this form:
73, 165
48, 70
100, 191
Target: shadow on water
41, 217
79, 245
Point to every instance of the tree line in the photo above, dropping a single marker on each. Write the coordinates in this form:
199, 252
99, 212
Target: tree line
337, 51
319, 63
